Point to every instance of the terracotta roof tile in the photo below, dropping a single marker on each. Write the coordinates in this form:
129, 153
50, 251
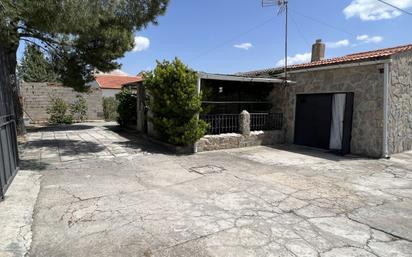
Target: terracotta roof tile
380, 53
356, 57
115, 81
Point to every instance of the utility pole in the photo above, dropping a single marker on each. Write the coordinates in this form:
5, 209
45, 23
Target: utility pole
286, 41
283, 7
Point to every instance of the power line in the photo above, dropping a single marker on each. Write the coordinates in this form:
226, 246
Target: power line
282, 8
232, 39
297, 27
299, 30
396, 7
324, 23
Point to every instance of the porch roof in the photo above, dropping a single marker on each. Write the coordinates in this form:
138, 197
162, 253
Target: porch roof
227, 77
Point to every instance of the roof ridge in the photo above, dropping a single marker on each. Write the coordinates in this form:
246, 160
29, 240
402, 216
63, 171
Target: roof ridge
116, 82
356, 54
378, 50
121, 76
355, 57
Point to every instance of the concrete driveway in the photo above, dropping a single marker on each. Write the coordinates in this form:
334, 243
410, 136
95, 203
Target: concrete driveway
260, 201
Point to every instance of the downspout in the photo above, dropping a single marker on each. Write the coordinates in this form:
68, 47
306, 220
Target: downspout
199, 83
386, 85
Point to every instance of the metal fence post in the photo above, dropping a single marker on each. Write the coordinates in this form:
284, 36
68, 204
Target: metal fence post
244, 123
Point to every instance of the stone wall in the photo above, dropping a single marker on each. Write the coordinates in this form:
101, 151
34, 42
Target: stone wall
232, 140
366, 82
400, 104
36, 99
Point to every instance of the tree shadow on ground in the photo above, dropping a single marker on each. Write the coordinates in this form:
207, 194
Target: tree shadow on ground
53, 128
137, 141
66, 147
34, 165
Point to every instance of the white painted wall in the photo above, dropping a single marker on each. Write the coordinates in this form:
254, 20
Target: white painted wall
110, 92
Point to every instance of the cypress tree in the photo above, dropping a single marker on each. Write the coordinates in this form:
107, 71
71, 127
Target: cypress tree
175, 103
35, 67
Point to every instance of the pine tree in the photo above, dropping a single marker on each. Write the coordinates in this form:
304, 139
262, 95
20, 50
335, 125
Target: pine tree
82, 35
35, 67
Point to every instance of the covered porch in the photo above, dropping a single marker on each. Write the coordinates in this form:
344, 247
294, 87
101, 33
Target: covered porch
224, 97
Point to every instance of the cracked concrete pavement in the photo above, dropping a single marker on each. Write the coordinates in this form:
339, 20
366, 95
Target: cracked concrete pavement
260, 201
16, 214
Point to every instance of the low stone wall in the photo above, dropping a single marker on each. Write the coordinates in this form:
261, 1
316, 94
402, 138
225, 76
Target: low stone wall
36, 99
232, 140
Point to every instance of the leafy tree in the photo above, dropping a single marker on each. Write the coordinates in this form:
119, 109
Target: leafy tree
126, 108
81, 35
66, 113
78, 108
35, 67
175, 103
110, 105
58, 111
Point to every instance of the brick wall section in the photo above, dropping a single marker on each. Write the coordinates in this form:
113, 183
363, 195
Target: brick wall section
232, 140
36, 99
400, 104
366, 82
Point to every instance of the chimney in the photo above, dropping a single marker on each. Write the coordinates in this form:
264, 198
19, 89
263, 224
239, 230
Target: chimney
318, 51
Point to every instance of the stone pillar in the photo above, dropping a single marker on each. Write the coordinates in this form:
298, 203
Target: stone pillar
244, 123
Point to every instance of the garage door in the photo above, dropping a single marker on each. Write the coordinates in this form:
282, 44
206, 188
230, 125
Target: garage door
324, 121
313, 120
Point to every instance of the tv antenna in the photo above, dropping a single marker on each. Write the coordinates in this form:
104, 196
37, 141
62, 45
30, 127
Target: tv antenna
283, 8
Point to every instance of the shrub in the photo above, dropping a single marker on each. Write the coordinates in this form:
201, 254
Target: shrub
175, 103
78, 109
58, 112
110, 108
127, 108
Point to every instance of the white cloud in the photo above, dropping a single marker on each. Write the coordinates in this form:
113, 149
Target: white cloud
369, 39
338, 44
297, 59
372, 10
141, 44
245, 46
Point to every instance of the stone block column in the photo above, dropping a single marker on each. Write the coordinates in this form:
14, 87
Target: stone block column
244, 123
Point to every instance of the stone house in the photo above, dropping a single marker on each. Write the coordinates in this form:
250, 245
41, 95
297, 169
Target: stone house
356, 104
359, 103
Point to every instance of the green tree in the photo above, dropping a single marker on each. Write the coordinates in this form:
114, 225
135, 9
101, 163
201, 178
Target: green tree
78, 108
81, 35
58, 112
35, 67
175, 103
110, 105
126, 108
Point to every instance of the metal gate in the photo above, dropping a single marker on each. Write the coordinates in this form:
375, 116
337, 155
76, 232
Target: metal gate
9, 160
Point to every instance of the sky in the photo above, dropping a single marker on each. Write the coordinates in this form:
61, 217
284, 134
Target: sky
229, 36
